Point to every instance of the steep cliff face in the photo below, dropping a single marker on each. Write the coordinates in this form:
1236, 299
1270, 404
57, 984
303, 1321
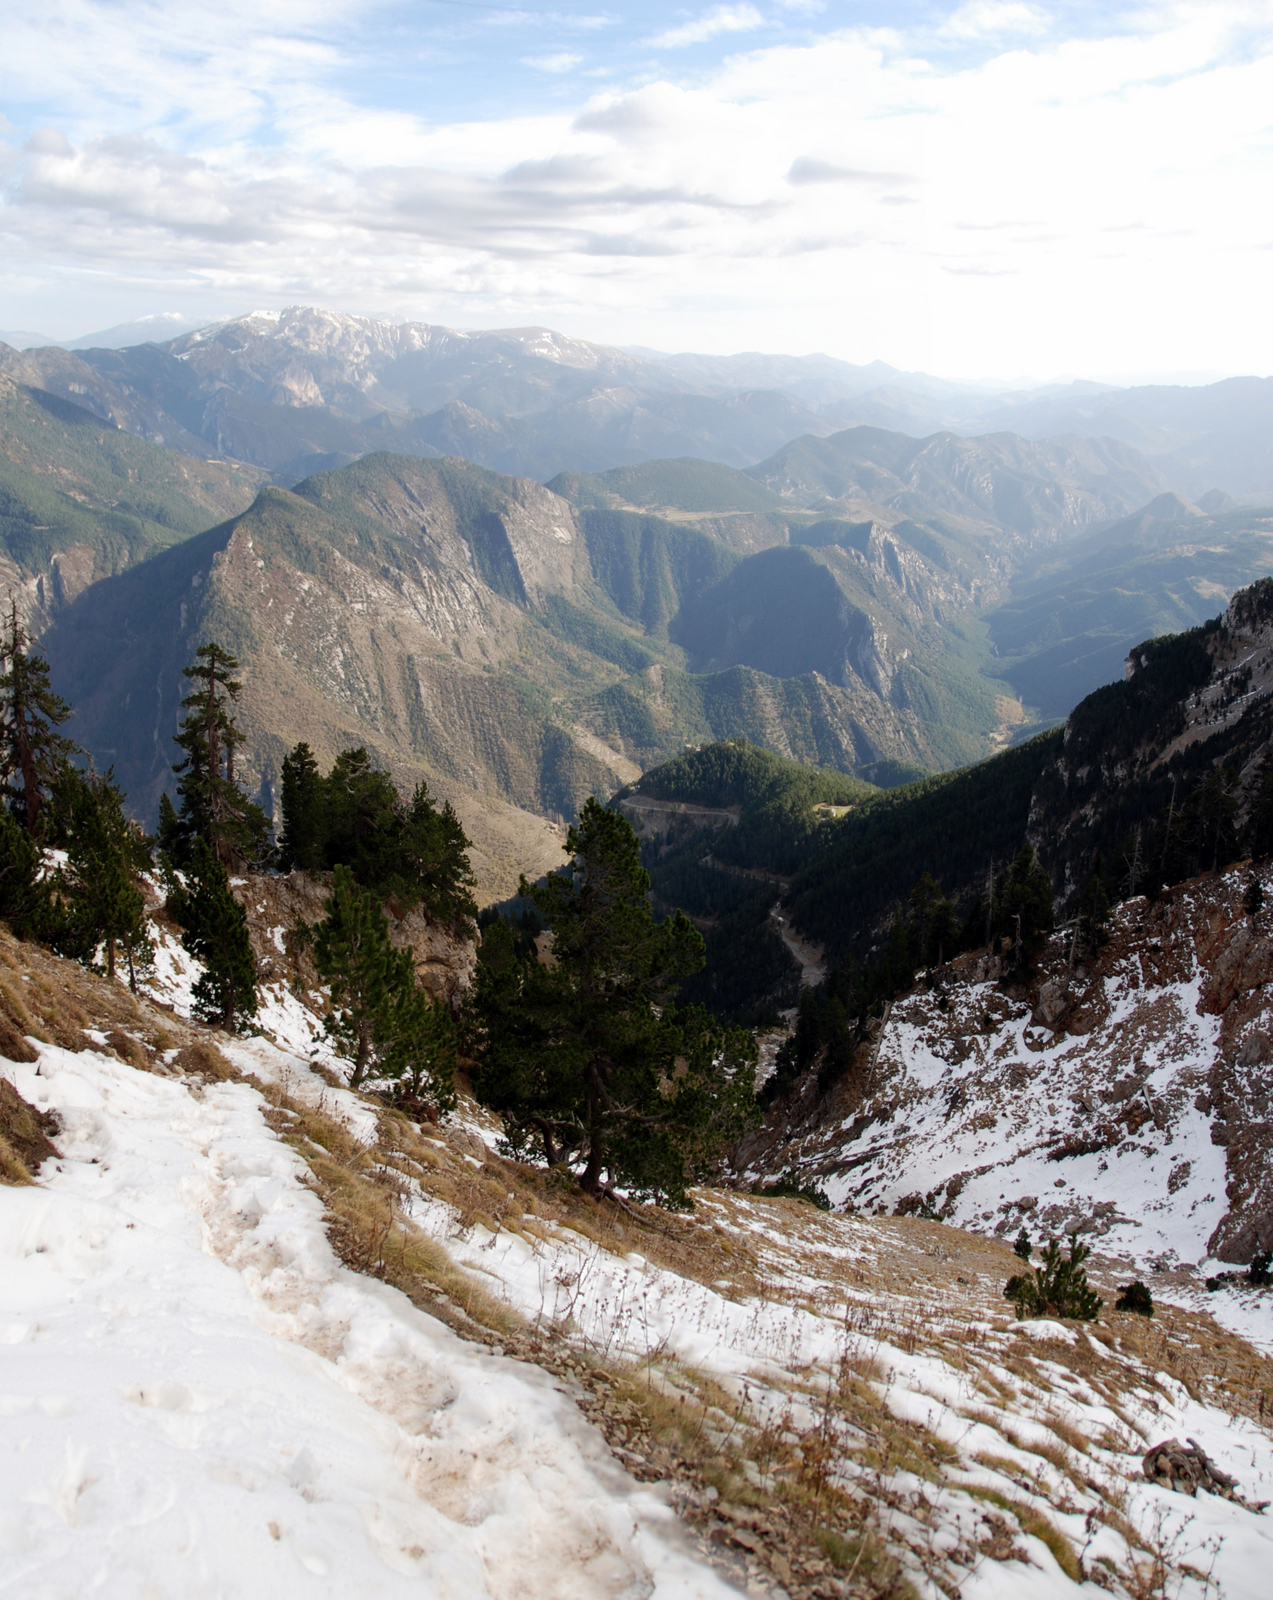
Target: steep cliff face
1189, 703
1125, 1097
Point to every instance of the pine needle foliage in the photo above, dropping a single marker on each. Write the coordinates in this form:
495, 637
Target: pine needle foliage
580, 1042
1135, 1297
216, 934
407, 852
213, 806
381, 1019
1057, 1288
23, 897
100, 901
32, 752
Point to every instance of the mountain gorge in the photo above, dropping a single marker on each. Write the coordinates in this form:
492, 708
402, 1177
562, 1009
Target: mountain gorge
860, 600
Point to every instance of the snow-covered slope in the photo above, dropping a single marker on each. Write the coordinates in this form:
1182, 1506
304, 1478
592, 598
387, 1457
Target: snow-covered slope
1125, 1099
201, 1401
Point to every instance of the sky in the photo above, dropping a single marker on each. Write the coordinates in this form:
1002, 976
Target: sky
998, 189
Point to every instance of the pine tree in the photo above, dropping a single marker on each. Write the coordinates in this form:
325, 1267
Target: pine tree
1023, 905
408, 854
32, 751
1260, 820
303, 839
24, 900
353, 953
213, 807
1057, 1288
419, 1044
586, 1053
216, 934
102, 899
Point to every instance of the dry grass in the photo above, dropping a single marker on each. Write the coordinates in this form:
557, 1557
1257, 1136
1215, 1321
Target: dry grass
1033, 1522
365, 1222
24, 1137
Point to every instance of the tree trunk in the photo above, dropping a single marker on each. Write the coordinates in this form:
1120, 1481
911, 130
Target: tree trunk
30, 780
362, 1053
590, 1180
110, 958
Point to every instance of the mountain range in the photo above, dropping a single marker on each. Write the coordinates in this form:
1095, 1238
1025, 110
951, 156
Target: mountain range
303, 389
863, 600
523, 646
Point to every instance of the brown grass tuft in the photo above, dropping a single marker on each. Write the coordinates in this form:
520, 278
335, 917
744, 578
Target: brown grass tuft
24, 1136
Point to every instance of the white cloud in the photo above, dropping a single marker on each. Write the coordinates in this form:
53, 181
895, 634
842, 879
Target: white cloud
720, 19
562, 61
1092, 203
984, 19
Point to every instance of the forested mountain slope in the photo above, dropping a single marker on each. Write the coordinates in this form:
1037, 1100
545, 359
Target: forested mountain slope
1074, 613
1161, 775
81, 499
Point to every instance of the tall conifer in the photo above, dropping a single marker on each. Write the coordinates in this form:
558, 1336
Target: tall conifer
31, 749
213, 807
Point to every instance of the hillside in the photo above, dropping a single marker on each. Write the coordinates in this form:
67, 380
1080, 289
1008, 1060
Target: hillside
1123, 1097
306, 390
522, 652
81, 499
1035, 491
393, 1379
1162, 570
1153, 779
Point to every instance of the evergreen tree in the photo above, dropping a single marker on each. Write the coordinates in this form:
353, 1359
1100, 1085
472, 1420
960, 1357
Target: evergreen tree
380, 1018
1260, 820
302, 841
24, 901
1057, 1288
353, 953
586, 1052
1023, 905
31, 750
215, 932
409, 854
362, 814
102, 901
213, 807
420, 1044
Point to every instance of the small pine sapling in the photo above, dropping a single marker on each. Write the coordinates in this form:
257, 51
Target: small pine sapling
1135, 1297
1260, 1273
1253, 899
1023, 1247
1058, 1288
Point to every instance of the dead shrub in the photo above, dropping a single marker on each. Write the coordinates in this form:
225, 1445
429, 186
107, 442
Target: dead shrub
127, 1048
205, 1060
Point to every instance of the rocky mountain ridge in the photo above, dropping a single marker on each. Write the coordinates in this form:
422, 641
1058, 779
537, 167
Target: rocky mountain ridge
1123, 1096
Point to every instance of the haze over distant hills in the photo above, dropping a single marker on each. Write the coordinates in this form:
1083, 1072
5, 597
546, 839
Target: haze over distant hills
305, 389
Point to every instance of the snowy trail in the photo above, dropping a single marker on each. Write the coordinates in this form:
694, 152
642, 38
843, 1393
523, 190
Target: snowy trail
200, 1401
